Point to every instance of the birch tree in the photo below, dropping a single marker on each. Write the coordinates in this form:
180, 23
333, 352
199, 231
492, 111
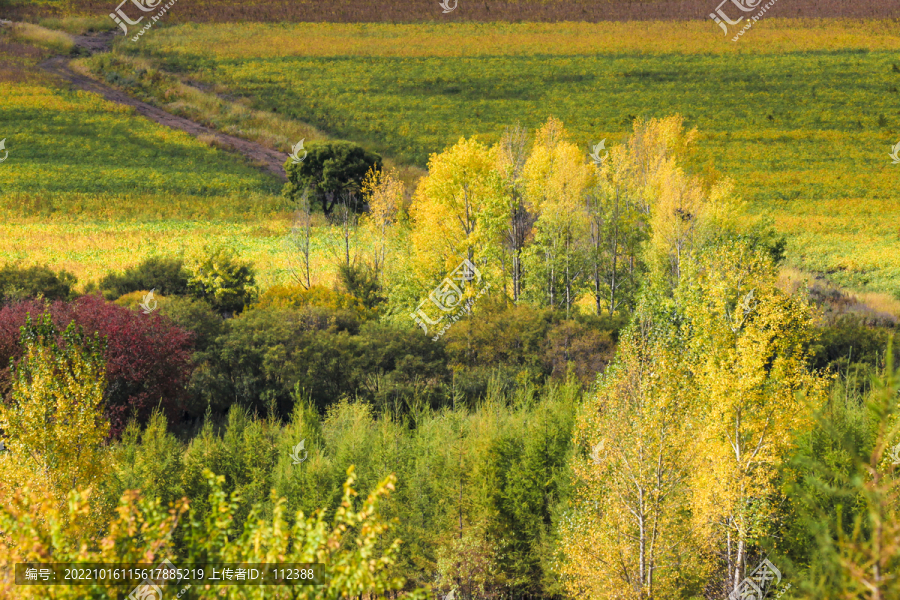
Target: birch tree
300, 239
629, 536
557, 177
519, 217
456, 210
383, 192
747, 353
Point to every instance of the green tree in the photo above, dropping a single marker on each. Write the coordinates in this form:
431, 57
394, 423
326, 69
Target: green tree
329, 170
225, 282
18, 283
845, 489
166, 275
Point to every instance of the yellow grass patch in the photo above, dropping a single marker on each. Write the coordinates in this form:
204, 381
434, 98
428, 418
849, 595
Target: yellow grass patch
770, 36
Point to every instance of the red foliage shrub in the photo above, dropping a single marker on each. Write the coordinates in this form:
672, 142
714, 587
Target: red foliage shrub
148, 359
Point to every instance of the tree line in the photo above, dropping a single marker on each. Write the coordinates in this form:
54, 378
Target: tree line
640, 409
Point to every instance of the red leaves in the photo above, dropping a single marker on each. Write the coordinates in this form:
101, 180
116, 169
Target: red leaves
148, 359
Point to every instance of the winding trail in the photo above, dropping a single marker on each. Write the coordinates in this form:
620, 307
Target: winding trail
258, 154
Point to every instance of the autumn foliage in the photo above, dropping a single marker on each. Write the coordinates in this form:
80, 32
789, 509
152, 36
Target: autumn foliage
147, 358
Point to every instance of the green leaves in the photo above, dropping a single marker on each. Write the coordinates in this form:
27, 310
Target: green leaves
225, 282
329, 169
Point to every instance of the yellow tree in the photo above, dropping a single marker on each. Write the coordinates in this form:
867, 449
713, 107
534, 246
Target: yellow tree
629, 535
655, 146
617, 229
557, 177
644, 188
384, 194
54, 427
518, 215
456, 210
747, 353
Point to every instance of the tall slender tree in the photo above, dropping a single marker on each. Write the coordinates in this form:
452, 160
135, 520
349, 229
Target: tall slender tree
747, 351
629, 535
557, 177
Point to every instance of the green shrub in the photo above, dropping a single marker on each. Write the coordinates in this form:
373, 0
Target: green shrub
195, 316
265, 352
360, 282
19, 283
225, 282
165, 275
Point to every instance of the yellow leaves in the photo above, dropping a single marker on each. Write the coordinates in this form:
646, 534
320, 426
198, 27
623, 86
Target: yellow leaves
628, 523
692, 420
384, 194
453, 205
54, 426
747, 354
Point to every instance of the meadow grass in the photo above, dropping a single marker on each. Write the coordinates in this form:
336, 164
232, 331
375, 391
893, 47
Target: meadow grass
61, 141
42, 36
89, 186
79, 25
91, 248
801, 114
214, 106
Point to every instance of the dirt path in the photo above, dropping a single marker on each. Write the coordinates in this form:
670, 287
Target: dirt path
258, 154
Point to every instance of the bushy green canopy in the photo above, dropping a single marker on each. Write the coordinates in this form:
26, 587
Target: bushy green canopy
329, 170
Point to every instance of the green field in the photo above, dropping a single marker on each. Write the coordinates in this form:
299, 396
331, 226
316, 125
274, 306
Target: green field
89, 186
801, 115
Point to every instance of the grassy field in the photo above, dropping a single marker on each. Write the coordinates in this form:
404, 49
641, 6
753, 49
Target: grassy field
88, 186
801, 114
404, 11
